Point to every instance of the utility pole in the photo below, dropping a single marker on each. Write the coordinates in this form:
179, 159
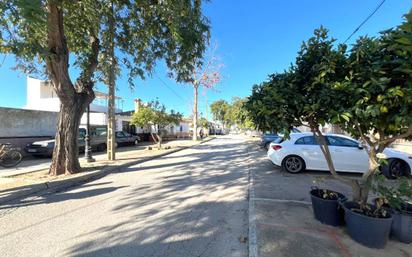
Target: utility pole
111, 124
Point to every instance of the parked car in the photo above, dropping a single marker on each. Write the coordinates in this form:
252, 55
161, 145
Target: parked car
124, 138
45, 147
301, 152
269, 137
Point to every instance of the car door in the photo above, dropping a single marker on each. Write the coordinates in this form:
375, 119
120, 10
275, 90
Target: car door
120, 138
346, 154
128, 138
308, 148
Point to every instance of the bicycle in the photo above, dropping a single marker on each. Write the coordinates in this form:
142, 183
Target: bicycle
9, 156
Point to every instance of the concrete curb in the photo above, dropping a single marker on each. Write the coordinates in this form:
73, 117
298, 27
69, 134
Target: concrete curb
253, 247
53, 186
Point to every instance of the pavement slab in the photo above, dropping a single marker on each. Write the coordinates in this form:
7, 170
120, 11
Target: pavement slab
283, 220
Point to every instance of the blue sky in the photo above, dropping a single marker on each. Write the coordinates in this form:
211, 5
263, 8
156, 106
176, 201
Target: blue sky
255, 38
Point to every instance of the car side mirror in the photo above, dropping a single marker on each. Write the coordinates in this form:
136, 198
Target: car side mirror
360, 147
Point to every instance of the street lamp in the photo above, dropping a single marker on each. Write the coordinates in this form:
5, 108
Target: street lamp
87, 146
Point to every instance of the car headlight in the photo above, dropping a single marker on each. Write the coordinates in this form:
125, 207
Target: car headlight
47, 144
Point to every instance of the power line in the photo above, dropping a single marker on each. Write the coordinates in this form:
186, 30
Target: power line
367, 18
170, 88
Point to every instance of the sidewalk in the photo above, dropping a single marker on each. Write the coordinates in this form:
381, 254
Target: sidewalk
281, 222
33, 164
24, 181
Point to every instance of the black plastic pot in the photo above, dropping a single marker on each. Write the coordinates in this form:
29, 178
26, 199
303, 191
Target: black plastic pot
327, 211
369, 231
402, 224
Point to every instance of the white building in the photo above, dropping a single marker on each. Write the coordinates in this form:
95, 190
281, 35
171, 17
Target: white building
41, 97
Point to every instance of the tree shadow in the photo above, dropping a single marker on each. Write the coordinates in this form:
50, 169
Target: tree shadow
59, 196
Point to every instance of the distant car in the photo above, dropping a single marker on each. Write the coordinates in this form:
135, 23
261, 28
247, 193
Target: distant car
301, 152
124, 138
269, 137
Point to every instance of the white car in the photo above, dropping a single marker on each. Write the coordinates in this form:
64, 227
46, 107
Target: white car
301, 152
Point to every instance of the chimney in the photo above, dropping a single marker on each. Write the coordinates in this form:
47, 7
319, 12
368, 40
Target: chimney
137, 105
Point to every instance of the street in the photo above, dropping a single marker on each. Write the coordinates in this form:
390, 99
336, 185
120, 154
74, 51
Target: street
190, 203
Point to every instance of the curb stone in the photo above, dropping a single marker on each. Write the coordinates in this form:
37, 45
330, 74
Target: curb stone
253, 248
54, 186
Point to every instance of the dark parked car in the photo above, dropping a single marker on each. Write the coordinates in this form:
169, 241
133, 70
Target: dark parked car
124, 138
269, 137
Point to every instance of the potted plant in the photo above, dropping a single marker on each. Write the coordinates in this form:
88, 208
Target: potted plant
369, 225
398, 199
326, 206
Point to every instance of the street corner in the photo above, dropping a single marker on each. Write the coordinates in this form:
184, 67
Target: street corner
289, 229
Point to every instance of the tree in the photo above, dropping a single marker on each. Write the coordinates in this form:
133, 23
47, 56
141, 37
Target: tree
380, 85
203, 122
46, 33
368, 94
233, 113
219, 110
308, 94
206, 74
239, 115
155, 115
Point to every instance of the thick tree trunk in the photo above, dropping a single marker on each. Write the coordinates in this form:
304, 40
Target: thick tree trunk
196, 93
66, 151
73, 99
157, 139
160, 141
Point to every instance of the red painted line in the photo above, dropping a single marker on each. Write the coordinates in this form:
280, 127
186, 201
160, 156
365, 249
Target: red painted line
331, 233
335, 237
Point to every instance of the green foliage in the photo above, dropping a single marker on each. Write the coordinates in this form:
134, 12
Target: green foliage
233, 113
219, 110
396, 196
367, 93
307, 93
157, 115
145, 31
203, 122
380, 83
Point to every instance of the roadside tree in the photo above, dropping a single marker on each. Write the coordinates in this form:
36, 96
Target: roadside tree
368, 94
155, 117
219, 110
44, 35
206, 74
380, 85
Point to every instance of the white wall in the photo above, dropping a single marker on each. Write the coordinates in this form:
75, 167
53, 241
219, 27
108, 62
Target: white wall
41, 96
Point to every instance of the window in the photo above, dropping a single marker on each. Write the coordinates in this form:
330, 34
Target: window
309, 140
82, 133
119, 134
341, 141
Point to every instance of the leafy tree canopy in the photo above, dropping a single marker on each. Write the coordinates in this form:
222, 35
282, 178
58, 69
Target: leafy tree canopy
155, 114
145, 31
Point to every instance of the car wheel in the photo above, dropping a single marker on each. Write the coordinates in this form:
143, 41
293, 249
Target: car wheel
293, 164
267, 145
394, 169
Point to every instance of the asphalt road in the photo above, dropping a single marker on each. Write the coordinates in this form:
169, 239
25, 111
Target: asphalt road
191, 203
